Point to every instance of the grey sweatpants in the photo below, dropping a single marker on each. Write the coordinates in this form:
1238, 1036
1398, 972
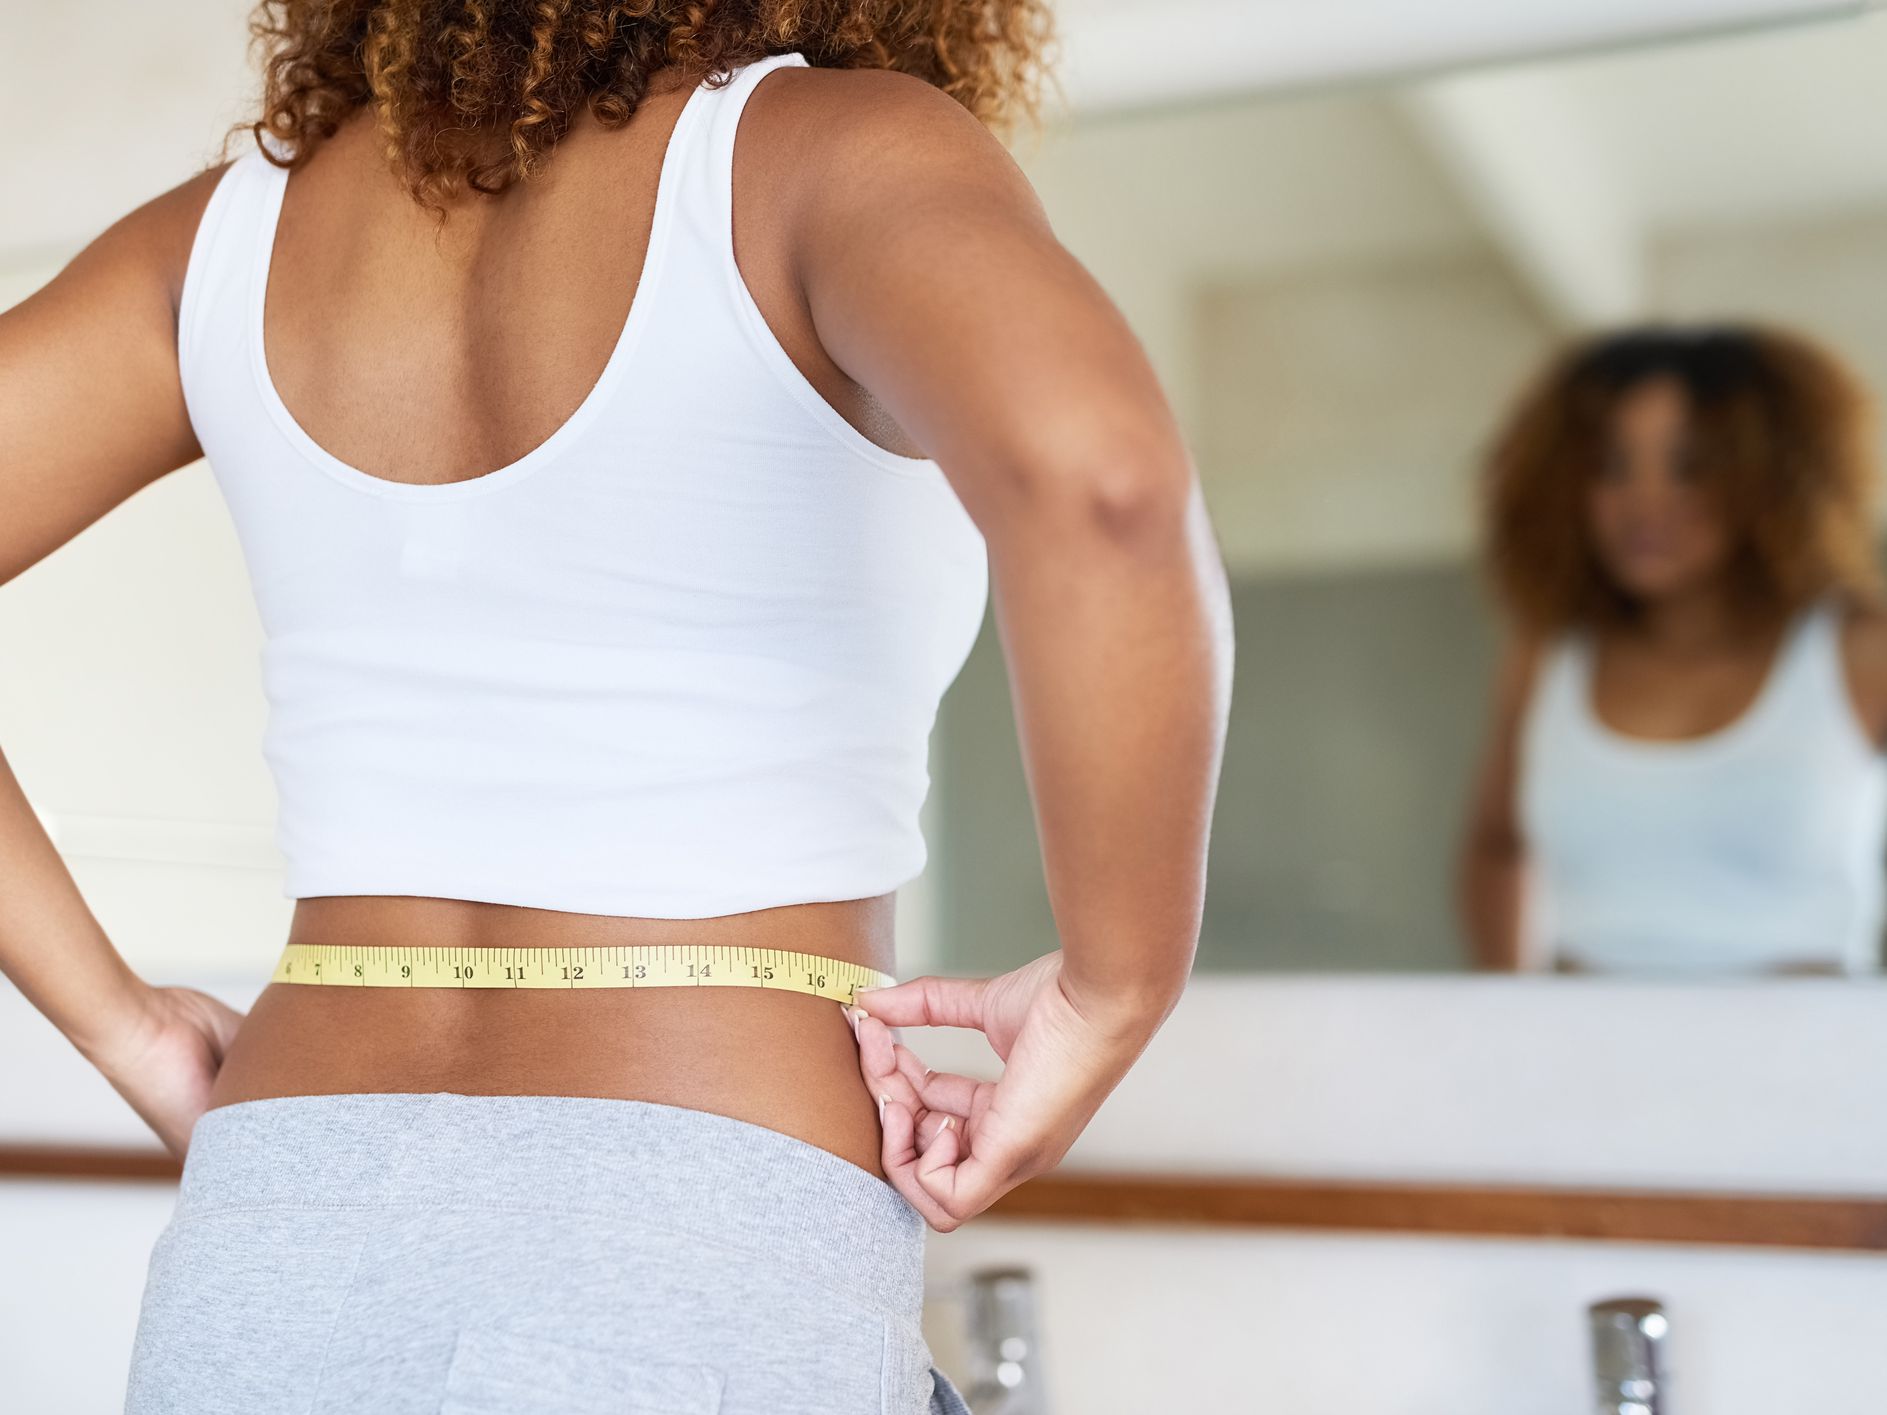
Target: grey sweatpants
431, 1253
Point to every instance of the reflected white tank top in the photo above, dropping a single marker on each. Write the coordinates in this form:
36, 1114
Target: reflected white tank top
1759, 845
681, 659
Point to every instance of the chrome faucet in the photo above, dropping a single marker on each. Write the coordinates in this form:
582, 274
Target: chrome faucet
1004, 1355
1628, 1355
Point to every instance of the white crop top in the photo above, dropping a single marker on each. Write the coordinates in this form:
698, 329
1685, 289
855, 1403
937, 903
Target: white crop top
681, 659
1756, 846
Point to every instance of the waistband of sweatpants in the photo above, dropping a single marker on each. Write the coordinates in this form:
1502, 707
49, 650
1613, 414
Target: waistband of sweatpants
724, 1180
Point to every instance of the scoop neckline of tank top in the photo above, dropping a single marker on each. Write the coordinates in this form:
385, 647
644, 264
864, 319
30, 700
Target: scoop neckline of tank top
514, 471
1676, 749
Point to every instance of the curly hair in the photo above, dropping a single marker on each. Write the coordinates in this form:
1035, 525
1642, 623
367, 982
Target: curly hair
475, 94
1782, 430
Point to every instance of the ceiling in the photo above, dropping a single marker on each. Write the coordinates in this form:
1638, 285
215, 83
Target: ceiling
1129, 53
1790, 121
1572, 167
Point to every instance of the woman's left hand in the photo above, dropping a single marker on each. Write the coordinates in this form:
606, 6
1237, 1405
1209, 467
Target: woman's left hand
954, 1144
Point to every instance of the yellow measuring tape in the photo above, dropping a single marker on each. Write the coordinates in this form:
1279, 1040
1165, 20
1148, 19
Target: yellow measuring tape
668, 965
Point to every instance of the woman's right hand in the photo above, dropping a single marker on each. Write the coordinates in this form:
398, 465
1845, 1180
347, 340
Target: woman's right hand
165, 1065
953, 1144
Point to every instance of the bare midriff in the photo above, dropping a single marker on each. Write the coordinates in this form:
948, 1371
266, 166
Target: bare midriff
784, 1060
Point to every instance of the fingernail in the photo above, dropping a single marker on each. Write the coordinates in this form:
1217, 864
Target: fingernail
881, 1111
851, 1016
946, 1124
929, 1071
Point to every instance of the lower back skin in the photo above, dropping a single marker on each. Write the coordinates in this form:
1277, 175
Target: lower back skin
784, 1060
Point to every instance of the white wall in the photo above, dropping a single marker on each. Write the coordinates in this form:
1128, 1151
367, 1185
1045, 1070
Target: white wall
1341, 410
1207, 1322
1157, 205
72, 1263
1825, 273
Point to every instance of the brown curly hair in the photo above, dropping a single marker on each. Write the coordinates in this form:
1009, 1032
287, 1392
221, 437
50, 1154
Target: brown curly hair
1781, 428
474, 94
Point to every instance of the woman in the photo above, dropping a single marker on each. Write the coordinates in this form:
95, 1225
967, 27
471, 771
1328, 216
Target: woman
610, 585
1685, 757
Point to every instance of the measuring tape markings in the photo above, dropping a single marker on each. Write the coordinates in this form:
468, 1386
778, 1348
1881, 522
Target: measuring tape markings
664, 965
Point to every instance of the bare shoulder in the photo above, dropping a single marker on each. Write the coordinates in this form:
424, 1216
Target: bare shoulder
1864, 627
1864, 637
932, 277
146, 251
874, 134
91, 395
1520, 658
171, 218
165, 227
1515, 682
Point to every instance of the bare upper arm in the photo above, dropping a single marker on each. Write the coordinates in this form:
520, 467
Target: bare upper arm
91, 408
1864, 656
934, 280
1494, 811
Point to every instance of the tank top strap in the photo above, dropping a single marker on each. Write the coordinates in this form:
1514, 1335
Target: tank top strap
727, 101
1817, 676
1818, 635
1565, 676
218, 294
1571, 658
704, 163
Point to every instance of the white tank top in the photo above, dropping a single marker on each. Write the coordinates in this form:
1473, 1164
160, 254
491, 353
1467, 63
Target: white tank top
1759, 845
681, 659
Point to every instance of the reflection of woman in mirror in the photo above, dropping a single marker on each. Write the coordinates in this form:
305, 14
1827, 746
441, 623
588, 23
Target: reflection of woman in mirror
1684, 771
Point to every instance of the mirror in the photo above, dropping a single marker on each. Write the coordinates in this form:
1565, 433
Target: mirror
1346, 329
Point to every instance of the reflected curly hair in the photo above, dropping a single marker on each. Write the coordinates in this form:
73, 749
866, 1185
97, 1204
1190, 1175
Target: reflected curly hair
1782, 430
474, 94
